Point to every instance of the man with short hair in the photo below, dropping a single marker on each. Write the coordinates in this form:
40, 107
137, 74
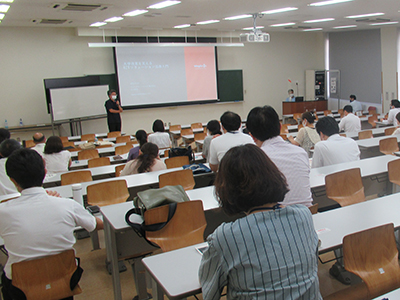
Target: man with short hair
394, 110
7, 147
113, 109
291, 97
231, 124
36, 225
333, 148
264, 126
4, 134
355, 104
350, 122
40, 142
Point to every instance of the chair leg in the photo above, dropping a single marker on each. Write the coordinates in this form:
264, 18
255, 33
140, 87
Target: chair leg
139, 275
94, 236
338, 271
158, 293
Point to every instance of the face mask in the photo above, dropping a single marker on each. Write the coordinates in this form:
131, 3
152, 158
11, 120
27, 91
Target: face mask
114, 97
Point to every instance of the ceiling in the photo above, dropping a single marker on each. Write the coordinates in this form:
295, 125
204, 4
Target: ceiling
31, 12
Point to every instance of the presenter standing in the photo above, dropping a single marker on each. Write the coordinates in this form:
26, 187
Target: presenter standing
113, 111
291, 97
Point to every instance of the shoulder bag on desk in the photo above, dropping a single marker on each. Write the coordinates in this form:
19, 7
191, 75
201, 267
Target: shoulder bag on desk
173, 152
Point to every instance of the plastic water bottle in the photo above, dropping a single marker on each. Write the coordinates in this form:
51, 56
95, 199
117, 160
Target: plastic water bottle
6, 124
77, 193
20, 122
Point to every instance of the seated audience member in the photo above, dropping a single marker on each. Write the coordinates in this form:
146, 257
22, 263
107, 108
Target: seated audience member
273, 246
232, 137
57, 160
159, 137
355, 104
291, 97
333, 148
27, 230
141, 137
4, 134
350, 122
394, 110
147, 161
40, 142
292, 161
307, 136
397, 131
7, 147
213, 130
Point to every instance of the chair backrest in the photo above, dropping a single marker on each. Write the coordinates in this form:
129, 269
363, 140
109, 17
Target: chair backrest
122, 149
88, 154
186, 131
372, 255
90, 137
132, 143
123, 139
300, 126
107, 193
345, 187
313, 208
284, 136
64, 139
176, 162
394, 171
118, 170
69, 144
372, 120
389, 131
340, 112
186, 227
182, 177
175, 127
327, 112
200, 136
29, 144
98, 162
343, 134
284, 128
46, 278
297, 117
166, 153
113, 134
389, 145
76, 177
196, 125
366, 134
371, 109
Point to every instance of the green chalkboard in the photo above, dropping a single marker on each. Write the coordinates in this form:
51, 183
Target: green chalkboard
230, 85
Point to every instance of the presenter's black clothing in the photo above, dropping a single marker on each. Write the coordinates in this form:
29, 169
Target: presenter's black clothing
113, 119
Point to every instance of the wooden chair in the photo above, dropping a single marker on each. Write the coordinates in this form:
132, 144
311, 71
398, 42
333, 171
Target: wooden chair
284, 136
166, 153
199, 136
76, 177
343, 134
389, 131
175, 128
196, 126
70, 144
366, 134
46, 278
88, 154
345, 187
118, 170
29, 144
132, 143
182, 177
107, 193
113, 134
98, 162
394, 171
64, 139
340, 111
123, 139
284, 128
186, 227
313, 208
389, 146
90, 137
186, 131
297, 117
327, 112
300, 126
372, 120
122, 149
372, 110
176, 162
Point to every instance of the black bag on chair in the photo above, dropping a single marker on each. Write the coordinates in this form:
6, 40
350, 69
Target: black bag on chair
173, 152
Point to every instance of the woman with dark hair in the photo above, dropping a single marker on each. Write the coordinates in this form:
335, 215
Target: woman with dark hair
213, 130
57, 160
271, 252
141, 137
147, 161
307, 136
159, 137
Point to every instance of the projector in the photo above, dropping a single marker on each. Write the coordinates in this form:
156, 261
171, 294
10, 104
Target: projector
254, 37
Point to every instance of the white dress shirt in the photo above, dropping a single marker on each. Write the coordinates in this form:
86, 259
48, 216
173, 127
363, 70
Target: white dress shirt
356, 106
39, 148
293, 162
57, 162
6, 185
335, 150
350, 123
161, 139
392, 116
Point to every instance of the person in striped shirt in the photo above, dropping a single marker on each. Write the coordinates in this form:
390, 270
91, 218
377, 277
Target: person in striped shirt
271, 252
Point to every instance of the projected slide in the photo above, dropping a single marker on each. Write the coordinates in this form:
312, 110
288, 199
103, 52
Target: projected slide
162, 75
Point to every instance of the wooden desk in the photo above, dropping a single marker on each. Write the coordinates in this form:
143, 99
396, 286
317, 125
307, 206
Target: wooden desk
300, 107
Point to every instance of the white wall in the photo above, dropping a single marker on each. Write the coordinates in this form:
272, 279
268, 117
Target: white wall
30, 55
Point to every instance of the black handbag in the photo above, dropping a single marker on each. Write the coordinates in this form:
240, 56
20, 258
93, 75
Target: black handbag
173, 152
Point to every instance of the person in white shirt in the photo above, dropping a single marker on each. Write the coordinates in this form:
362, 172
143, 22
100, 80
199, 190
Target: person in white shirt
159, 137
355, 104
213, 131
7, 147
394, 110
397, 131
264, 126
291, 97
36, 225
231, 123
40, 142
57, 160
333, 148
350, 122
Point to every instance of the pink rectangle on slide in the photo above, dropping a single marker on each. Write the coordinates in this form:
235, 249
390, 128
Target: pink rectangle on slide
201, 75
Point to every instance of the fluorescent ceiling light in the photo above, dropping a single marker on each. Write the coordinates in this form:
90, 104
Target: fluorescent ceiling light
2, 16
329, 2
319, 20
113, 19
4, 8
182, 26
384, 23
282, 24
139, 45
251, 28
164, 4
313, 29
238, 17
343, 27
365, 15
135, 12
98, 24
207, 22
7, 1
279, 10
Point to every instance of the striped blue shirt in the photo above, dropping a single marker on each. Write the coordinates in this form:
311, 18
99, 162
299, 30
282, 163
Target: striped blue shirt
270, 254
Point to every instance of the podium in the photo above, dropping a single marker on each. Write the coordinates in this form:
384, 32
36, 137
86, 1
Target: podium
289, 108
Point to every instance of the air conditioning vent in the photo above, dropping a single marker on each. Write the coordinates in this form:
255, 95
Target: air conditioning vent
368, 20
51, 21
78, 7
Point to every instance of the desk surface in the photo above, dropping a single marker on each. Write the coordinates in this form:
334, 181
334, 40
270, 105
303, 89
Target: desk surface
374, 142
